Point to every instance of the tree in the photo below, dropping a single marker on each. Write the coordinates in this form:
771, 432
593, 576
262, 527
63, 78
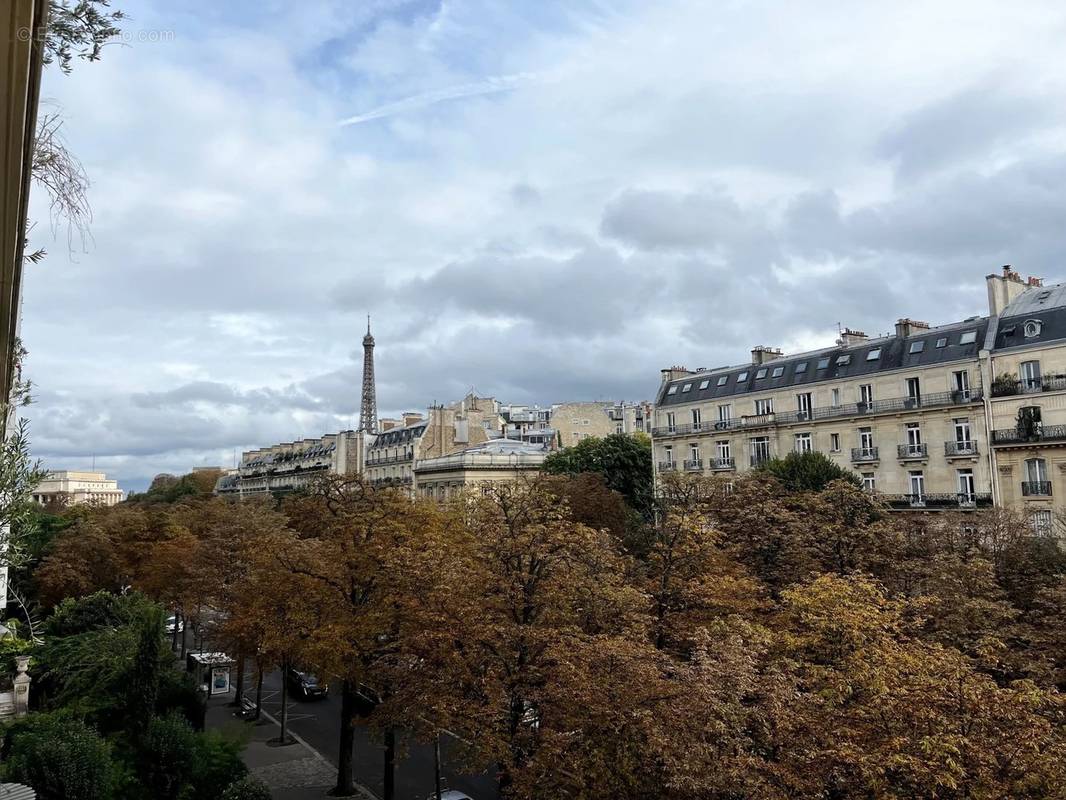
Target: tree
79, 29
623, 460
808, 472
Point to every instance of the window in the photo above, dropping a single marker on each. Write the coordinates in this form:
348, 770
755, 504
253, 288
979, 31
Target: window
866, 394
1030, 372
696, 419
962, 432
764, 407
914, 438
723, 450
914, 391
705, 384
686, 388
834, 397
801, 367
1032, 328
722, 380
1040, 523
843, 360
874, 354
778, 372
803, 443
1036, 470
917, 482
672, 390
671, 423
917, 347
868, 482
942, 342
966, 485
742, 376
668, 454
694, 453
960, 382
803, 405
618, 428
760, 450
969, 337
834, 442
725, 413
866, 441
760, 374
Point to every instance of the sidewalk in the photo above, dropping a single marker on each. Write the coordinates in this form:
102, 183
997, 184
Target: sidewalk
293, 772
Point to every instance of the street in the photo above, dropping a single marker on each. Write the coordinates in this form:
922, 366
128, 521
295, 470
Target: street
317, 722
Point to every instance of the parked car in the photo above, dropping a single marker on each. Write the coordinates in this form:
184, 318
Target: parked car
450, 794
172, 622
304, 684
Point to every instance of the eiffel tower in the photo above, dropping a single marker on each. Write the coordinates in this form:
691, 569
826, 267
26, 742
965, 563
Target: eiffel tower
368, 411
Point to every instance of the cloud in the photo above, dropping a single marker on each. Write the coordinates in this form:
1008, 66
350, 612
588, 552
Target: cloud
555, 200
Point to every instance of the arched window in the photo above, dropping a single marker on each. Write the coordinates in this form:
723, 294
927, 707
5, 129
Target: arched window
1032, 328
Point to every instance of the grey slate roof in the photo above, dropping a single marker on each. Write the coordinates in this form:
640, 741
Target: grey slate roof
825, 365
1045, 305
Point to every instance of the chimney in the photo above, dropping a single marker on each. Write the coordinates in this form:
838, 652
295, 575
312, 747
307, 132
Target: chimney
908, 327
673, 373
848, 337
760, 354
1004, 288
411, 417
388, 424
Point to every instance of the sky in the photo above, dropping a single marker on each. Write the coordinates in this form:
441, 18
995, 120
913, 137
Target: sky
542, 202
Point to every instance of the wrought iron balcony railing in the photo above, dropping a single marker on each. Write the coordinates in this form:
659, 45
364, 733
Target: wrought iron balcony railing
694, 464
909, 451
1036, 488
963, 500
957, 448
724, 463
1036, 432
864, 454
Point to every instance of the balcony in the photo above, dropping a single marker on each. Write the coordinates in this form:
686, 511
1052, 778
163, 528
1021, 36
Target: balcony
719, 464
960, 449
1036, 488
940, 502
891, 405
1047, 383
667, 466
1038, 432
694, 465
864, 455
912, 452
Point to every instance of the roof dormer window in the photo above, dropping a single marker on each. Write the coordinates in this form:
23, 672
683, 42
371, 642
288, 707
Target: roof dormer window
1032, 328
843, 360
742, 376
672, 390
760, 374
723, 380
778, 372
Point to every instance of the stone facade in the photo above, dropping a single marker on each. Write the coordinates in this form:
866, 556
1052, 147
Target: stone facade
78, 487
288, 466
494, 462
931, 417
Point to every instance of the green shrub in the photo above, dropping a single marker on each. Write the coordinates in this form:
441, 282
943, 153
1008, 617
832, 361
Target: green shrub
246, 789
60, 757
217, 765
168, 756
808, 472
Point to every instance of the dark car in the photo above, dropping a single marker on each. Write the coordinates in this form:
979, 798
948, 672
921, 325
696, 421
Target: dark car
304, 684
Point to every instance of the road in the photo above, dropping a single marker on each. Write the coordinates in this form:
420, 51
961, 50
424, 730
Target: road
317, 722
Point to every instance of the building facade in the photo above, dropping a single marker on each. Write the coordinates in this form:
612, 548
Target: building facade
493, 462
288, 466
961, 415
78, 487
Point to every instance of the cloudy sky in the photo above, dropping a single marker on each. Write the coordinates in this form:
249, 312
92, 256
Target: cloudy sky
544, 201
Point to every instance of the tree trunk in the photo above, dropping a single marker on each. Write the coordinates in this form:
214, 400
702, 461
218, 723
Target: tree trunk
238, 699
345, 785
174, 634
284, 735
258, 688
184, 637
436, 764
389, 789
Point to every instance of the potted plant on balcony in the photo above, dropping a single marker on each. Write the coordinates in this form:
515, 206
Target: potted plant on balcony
1029, 423
1004, 385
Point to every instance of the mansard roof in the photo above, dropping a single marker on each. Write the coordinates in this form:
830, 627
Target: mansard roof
1036, 316
868, 357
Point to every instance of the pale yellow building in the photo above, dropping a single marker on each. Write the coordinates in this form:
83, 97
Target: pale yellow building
490, 463
288, 466
78, 487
